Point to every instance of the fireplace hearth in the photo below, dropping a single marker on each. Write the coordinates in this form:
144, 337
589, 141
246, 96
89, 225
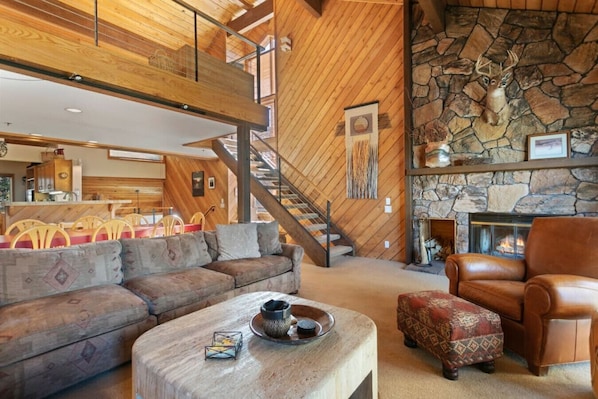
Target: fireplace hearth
499, 234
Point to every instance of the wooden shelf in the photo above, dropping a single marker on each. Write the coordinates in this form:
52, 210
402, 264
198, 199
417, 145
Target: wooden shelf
526, 165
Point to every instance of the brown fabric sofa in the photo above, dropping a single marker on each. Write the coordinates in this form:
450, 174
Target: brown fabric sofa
64, 317
165, 273
67, 314
545, 300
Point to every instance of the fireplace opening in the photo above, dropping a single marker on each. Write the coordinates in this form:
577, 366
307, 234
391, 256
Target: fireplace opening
437, 239
499, 234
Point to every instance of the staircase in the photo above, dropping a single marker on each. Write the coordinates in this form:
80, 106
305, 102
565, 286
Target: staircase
305, 221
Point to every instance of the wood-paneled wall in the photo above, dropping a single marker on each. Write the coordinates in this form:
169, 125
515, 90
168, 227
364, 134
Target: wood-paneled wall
124, 188
352, 54
177, 189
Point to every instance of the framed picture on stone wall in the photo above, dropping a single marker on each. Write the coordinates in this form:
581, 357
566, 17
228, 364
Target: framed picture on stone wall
548, 145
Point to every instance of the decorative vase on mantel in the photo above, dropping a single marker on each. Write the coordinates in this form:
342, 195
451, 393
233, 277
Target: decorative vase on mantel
437, 154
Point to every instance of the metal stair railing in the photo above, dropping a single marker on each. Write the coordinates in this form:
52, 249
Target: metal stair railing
303, 200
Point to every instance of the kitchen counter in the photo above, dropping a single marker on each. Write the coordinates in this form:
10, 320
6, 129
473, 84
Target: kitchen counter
60, 211
44, 203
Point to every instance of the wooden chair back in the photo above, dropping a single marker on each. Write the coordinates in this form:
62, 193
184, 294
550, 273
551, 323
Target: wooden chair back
114, 229
169, 225
21, 225
41, 236
135, 219
198, 218
87, 222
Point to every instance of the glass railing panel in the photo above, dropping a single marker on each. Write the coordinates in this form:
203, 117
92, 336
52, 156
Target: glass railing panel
165, 34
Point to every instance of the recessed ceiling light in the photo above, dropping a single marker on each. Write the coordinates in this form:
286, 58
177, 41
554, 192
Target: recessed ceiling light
35, 134
73, 110
92, 141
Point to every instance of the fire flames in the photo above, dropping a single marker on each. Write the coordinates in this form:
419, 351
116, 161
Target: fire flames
510, 245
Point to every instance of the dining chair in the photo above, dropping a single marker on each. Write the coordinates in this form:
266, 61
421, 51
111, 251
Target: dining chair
169, 224
42, 236
87, 222
21, 225
135, 219
114, 229
198, 218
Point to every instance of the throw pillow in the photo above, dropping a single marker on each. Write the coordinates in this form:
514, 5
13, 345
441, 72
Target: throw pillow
237, 241
268, 238
212, 241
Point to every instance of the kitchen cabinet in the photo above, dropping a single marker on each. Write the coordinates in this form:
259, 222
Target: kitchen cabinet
55, 175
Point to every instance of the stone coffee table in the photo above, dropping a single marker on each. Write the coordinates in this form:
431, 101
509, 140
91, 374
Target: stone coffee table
169, 360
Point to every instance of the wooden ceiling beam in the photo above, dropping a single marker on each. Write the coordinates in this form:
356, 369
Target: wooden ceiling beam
253, 17
434, 12
313, 6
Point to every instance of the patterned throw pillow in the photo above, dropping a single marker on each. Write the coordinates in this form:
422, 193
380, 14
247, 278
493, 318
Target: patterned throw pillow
268, 238
237, 241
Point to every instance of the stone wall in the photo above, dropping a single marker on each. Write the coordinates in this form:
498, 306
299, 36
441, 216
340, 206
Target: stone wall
552, 88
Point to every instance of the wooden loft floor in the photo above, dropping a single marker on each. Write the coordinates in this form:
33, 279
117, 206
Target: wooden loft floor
49, 50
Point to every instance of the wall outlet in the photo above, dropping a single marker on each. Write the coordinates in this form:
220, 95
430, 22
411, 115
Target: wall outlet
386, 244
387, 209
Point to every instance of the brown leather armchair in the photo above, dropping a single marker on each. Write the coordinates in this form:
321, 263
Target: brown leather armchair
546, 300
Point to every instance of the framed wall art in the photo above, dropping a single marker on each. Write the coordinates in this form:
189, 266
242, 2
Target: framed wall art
545, 146
361, 144
197, 183
211, 182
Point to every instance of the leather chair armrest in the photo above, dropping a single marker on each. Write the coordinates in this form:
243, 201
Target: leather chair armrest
472, 266
561, 296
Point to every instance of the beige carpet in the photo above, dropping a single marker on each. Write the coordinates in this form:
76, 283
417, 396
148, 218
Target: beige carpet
371, 287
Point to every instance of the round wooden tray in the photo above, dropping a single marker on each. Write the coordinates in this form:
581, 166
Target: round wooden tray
324, 323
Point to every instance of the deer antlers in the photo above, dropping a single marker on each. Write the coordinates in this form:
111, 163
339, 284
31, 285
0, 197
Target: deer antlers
511, 61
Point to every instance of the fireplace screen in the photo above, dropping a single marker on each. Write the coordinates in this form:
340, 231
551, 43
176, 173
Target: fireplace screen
499, 234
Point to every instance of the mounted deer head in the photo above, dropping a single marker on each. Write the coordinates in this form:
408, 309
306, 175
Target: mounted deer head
497, 107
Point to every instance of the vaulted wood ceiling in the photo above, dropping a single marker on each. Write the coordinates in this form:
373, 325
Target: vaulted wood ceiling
434, 9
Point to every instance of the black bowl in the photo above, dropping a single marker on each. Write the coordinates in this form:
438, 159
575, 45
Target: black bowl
276, 310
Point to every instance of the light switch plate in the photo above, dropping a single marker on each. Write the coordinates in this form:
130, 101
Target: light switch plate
386, 244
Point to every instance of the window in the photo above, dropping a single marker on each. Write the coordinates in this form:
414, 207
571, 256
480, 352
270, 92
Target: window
6, 183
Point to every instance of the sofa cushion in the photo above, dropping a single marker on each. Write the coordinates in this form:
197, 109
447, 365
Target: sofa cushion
144, 256
247, 271
33, 327
28, 274
268, 238
212, 241
167, 291
501, 296
237, 241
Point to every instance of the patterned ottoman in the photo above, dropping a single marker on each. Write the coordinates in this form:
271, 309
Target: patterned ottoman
456, 331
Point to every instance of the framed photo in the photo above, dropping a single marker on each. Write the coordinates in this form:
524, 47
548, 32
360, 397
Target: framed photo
211, 182
197, 184
551, 145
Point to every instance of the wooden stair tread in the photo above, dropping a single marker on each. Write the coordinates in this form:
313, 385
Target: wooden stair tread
338, 250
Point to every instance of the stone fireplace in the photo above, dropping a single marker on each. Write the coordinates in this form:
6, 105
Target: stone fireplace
553, 88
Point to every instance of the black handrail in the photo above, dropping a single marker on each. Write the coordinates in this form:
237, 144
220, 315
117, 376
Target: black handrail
280, 177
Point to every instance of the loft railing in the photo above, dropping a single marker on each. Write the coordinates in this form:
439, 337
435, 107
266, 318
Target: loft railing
171, 35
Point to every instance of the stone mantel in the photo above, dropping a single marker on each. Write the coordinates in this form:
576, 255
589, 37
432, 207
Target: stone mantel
511, 166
